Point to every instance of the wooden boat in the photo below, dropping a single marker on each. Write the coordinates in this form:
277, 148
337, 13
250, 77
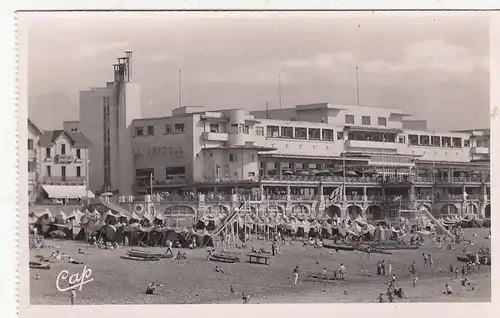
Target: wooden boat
37, 265
135, 258
373, 250
223, 260
144, 254
339, 247
226, 257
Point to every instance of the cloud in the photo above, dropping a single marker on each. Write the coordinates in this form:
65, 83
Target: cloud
91, 50
157, 57
322, 60
250, 76
431, 56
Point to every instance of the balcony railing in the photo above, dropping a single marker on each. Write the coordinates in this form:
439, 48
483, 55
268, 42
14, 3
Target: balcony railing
480, 150
63, 180
214, 136
218, 197
368, 144
300, 197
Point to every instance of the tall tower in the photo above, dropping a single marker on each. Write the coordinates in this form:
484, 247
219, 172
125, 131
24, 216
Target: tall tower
111, 154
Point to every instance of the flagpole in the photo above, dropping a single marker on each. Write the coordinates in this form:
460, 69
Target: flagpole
279, 89
180, 88
357, 84
343, 178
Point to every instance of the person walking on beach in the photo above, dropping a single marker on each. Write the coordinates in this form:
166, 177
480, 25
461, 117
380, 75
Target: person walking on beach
413, 269
450, 271
273, 247
415, 279
379, 268
389, 268
72, 296
342, 271
296, 274
168, 243
425, 260
383, 267
456, 273
430, 260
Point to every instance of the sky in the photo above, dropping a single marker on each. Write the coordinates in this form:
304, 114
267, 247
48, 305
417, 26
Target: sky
435, 67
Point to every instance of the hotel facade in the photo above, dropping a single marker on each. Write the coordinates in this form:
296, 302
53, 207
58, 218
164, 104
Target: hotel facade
282, 161
58, 165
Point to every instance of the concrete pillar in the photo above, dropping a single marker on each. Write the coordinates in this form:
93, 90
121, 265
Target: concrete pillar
278, 168
382, 193
365, 196
288, 193
484, 193
261, 191
292, 166
464, 193
411, 193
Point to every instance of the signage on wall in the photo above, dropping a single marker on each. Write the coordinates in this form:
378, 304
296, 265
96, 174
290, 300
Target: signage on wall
172, 152
64, 159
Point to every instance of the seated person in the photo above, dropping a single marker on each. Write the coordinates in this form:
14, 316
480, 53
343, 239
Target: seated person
399, 293
150, 290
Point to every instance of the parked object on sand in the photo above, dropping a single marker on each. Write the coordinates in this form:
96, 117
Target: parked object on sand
145, 254
132, 258
37, 265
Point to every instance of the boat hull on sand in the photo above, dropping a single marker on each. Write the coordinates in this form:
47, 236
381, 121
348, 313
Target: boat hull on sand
143, 259
144, 254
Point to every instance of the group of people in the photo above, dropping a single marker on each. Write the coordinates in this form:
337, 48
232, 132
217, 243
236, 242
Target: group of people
383, 268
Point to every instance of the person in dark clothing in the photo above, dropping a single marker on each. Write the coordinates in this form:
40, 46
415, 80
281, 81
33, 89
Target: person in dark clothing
273, 247
150, 290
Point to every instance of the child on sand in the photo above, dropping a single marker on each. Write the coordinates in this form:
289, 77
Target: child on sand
72, 296
415, 279
151, 289
447, 290
245, 298
380, 298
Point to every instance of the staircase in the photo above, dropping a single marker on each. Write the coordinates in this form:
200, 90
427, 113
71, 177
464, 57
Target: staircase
112, 206
438, 224
228, 219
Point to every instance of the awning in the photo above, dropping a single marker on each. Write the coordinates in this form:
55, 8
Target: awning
70, 192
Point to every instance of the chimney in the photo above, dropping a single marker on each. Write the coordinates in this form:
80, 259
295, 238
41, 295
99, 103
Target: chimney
128, 55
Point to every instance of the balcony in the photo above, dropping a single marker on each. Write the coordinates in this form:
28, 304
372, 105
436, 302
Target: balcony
212, 136
480, 150
366, 144
64, 180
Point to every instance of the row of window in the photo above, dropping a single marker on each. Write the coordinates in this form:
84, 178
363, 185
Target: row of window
63, 170
302, 133
365, 120
150, 130
437, 141
48, 152
147, 174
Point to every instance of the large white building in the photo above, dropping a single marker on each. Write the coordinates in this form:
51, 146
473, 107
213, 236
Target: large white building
297, 155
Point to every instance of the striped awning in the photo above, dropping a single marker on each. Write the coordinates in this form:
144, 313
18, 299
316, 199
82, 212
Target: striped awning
70, 192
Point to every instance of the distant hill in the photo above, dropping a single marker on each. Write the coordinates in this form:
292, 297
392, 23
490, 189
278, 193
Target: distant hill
48, 111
